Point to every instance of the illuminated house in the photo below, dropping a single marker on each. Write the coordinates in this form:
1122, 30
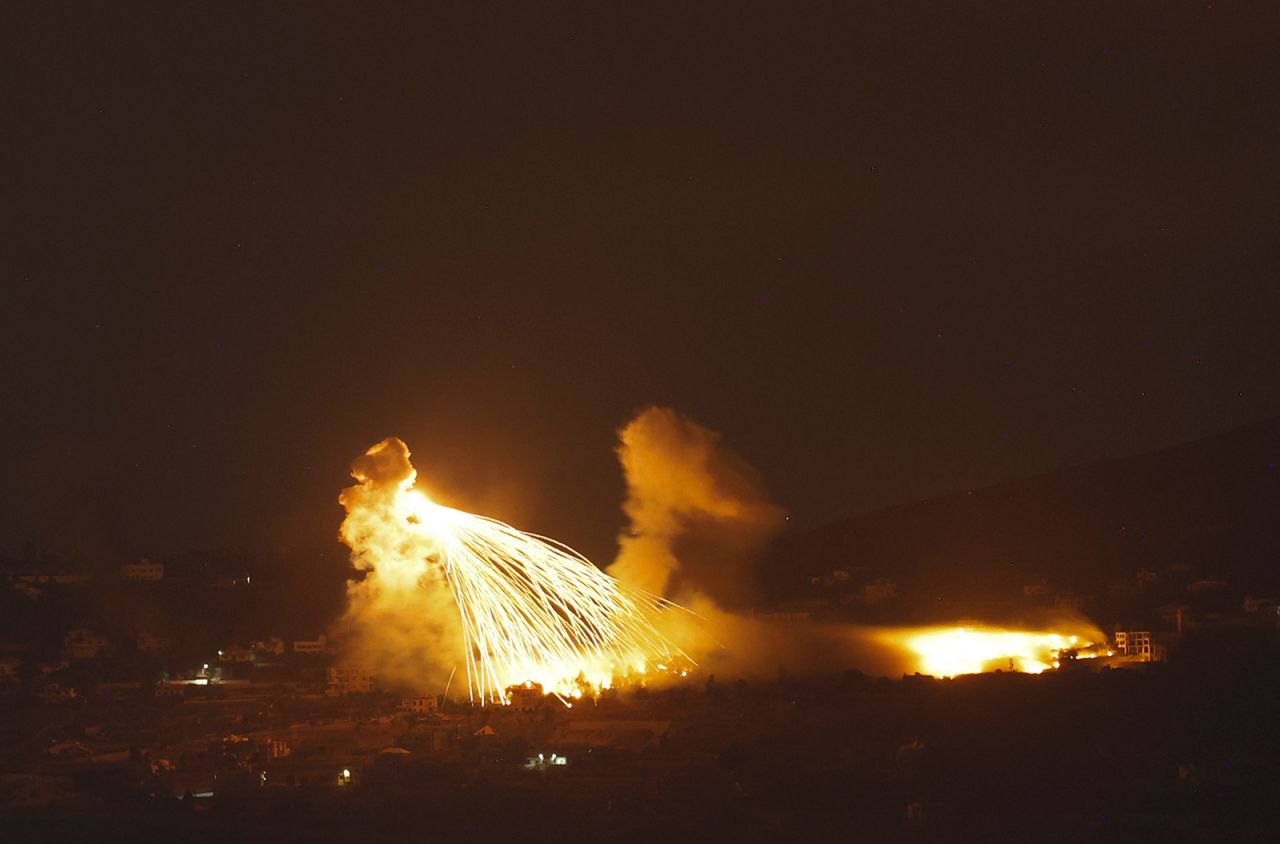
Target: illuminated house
526, 697
278, 748
420, 704
317, 645
1142, 645
143, 571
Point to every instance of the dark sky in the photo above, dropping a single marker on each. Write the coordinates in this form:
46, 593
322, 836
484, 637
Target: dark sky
888, 249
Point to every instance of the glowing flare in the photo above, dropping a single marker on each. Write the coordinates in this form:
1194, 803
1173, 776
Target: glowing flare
950, 651
530, 608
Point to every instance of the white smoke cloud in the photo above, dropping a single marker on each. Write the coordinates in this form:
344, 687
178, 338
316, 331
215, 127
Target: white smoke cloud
401, 621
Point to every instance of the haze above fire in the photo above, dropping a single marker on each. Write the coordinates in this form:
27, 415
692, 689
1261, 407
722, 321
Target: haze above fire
443, 590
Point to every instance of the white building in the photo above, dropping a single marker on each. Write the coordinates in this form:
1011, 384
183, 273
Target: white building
345, 681
526, 697
420, 704
145, 570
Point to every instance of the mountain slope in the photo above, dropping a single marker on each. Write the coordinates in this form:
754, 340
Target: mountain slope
1206, 510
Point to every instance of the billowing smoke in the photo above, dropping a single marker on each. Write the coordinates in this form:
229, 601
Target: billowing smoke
401, 620
698, 512
700, 516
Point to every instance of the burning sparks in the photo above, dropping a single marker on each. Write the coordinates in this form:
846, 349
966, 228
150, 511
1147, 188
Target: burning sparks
950, 651
530, 609
444, 589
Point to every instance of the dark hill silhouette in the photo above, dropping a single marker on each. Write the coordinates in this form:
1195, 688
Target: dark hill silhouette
1205, 510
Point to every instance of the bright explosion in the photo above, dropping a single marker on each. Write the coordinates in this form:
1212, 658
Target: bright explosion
444, 589
951, 651
531, 610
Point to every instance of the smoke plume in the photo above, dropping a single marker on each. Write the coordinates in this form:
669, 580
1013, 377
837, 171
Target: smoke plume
401, 621
698, 512
700, 516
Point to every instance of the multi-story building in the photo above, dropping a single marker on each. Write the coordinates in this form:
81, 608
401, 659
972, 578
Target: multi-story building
419, 704
278, 748
526, 697
1142, 645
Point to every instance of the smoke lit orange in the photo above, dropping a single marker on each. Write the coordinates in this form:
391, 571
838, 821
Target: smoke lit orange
530, 609
950, 651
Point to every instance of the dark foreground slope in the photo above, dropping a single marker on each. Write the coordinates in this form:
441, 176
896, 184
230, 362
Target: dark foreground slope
1196, 520
1180, 752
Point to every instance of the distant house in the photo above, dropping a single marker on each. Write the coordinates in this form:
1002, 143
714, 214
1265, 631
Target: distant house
1142, 645
278, 748
419, 704
142, 571
273, 646
526, 697
318, 645
9, 672
235, 653
345, 681
83, 643
544, 762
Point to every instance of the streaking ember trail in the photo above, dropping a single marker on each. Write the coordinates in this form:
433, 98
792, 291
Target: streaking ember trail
531, 610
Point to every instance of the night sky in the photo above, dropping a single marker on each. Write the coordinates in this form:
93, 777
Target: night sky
890, 250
